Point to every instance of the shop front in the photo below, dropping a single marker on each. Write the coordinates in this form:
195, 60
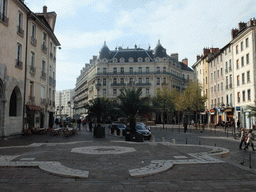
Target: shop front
229, 114
33, 116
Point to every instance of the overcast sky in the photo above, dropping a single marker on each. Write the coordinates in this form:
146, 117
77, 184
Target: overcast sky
182, 26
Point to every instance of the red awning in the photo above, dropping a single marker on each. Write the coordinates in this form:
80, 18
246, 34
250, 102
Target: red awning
34, 108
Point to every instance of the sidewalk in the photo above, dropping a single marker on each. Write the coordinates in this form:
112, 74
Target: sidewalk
113, 165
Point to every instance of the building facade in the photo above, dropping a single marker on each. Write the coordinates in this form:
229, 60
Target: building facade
113, 70
21, 58
64, 103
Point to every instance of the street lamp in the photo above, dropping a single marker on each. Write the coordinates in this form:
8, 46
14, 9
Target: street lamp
60, 108
69, 104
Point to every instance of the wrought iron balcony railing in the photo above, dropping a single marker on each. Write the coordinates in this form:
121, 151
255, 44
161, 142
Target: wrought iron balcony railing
44, 48
32, 70
19, 64
4, 19
20, 31
33, 41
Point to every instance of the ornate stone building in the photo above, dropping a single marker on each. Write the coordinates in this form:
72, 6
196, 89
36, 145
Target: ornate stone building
113, 70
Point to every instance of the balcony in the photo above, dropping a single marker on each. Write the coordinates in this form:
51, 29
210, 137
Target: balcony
33, 41
32, 70
118, 84
230, 69
98, 85
226, 70
51, 55
31, 99
52, 81
43, 74
164, 83
230, 85
4, 19
20, 31
19, 64
42, 101
143, 84
44, 48
226, 87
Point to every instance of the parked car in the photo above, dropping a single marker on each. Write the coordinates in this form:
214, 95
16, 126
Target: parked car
140, 129
118, 127
140, 123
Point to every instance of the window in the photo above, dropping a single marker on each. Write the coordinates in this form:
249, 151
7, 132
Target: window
122, 70
43, 69
242, 46
227, 99
13, 104
32, 59
214, 75
114, 70
147, 80
246, 42
44, 39
230, 65
140, 80
33, 31
247, 58
214, 88
158, 81
243, 78
104, 81
221, 71
19, 53
3, 11
243, 96
226, 67
221, 86
31, 89
104, 92
42, 92
131, 80
20, 24
158, 70
249, 94
238, 80
114, 81
230, 81
114, 92
104, 71
140, 70
147, 70
226, 82
248, 77
164, 69
164, 80
131, 70
147, 91
218, 87
122, 81
188, 77
231, 100
237, 64
237, 49
218, 73
242, 61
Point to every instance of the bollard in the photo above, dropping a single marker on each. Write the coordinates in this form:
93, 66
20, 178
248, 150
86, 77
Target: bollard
153, 139
173, 141
121, 133
186, 140
163, 139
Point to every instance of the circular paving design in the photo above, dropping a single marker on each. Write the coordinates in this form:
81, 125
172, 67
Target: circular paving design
103, 150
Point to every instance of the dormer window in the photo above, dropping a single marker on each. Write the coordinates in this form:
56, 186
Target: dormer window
122, 60
140, 59
147, 59
115, 60
131, 59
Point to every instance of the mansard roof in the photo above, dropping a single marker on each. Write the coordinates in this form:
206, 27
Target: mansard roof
132, 53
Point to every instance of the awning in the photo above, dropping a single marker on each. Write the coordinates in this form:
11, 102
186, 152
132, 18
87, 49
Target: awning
34, 108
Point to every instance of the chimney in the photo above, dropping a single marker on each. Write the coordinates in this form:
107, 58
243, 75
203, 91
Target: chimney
206, 51
198, 57
213, 50
175, 56
241, 26
45, 9
185, 61
234, 33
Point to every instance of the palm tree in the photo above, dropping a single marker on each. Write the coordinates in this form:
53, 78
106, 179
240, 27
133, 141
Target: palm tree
133, 105
100, 108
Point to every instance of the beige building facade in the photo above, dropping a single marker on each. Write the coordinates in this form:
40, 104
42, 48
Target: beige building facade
17, 52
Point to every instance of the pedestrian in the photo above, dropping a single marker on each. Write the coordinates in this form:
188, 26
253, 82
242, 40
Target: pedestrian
242, 138
238, 124
90, 125
79, 124
249, 140
185, 124
253, 127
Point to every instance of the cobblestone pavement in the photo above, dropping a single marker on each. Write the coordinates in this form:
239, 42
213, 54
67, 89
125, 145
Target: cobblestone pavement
110, 163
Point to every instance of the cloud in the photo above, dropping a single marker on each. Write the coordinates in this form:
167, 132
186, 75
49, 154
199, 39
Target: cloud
77, 40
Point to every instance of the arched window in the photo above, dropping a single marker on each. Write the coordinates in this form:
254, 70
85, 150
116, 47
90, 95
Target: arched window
13, 105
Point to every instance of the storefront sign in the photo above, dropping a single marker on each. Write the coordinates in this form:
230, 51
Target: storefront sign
238, 108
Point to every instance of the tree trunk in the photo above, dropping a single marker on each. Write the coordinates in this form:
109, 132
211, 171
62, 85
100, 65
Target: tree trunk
132, 125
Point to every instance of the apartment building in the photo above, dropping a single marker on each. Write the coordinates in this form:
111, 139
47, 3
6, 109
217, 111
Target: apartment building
27, 67
64, 103
113, 70
244, 51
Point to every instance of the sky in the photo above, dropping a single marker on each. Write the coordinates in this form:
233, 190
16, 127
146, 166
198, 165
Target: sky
182, 26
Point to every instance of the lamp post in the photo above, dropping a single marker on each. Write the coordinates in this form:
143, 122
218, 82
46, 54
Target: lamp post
69, 104
60, 108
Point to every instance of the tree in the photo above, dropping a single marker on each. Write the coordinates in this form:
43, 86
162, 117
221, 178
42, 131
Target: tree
100, 108
164, 100
133, 105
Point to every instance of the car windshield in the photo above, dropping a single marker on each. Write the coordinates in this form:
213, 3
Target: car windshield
140, 127
121, 126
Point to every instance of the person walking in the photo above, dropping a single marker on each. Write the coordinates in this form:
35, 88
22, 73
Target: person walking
249, 140
242, 138
238, 124
185, 124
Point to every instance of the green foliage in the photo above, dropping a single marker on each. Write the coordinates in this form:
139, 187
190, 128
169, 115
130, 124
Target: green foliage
133, 105
100, 108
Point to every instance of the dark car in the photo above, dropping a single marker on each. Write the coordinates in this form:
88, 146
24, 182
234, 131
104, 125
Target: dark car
140, 129
118, 127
